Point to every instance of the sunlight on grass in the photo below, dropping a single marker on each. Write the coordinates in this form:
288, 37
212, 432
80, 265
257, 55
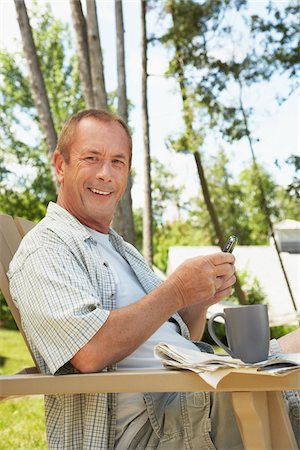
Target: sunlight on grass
22, 423
14, 355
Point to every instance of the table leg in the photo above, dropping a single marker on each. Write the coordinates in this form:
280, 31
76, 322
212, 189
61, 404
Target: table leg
282, 435
251, 409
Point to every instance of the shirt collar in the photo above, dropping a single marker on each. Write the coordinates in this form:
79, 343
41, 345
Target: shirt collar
60, 214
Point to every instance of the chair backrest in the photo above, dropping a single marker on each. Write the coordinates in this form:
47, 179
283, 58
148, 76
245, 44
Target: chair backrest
23, 225
10, 238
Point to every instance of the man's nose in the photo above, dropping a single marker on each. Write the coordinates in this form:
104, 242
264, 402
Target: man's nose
104, 170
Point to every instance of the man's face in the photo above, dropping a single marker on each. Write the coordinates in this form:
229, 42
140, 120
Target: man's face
95, 178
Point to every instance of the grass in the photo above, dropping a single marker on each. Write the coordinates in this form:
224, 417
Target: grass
22, 423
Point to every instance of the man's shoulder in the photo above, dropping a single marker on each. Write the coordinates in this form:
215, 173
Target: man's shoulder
58, 231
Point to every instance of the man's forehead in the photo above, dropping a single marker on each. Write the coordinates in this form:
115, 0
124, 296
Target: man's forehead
93, 128
96, 137
88, 122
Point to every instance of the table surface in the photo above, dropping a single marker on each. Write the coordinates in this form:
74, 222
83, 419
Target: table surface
143, 381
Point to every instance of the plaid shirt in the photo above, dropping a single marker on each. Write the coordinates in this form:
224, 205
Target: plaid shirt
64, 292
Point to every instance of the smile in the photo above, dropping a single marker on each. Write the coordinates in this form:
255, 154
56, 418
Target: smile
96, 191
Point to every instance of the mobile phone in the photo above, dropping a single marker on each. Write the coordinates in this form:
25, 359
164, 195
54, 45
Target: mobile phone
230, 244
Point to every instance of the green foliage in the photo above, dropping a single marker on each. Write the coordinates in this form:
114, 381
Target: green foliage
26, 185
165, 193
254, 292
294, 187
6, 318
138, 228
238, 202
170, 234
202, 45
196, 32
14, 353
280, 39
282, 330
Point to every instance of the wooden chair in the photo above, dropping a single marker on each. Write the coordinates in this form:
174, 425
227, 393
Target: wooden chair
257, 401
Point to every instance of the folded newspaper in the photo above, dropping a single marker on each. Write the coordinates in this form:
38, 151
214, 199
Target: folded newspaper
176, 357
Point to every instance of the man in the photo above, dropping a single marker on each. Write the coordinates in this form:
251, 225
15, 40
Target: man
89, 302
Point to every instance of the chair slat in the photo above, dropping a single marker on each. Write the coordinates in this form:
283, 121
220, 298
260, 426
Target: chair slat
10, 239
23, 225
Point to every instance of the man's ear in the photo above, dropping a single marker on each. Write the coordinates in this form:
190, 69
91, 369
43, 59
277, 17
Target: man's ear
59, 165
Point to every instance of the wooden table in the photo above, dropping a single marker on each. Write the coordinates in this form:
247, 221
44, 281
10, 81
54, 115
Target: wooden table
257, 401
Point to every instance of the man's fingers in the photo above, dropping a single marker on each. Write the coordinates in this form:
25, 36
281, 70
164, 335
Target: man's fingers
229, 282
225, 293
225, 282
221, 258
224, 269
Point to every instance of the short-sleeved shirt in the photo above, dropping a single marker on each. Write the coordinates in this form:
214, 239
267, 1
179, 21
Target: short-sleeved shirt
65, 292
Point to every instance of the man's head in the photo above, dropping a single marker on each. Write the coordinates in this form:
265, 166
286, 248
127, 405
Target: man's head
67, 132
92, 162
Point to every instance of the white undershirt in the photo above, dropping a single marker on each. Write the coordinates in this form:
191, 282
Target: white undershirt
131, 406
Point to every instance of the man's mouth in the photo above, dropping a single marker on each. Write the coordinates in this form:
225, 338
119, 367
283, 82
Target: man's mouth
97, 191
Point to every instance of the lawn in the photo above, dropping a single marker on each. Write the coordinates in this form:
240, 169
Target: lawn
22, 423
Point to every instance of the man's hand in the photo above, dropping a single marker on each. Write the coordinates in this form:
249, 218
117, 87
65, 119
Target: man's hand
203, 280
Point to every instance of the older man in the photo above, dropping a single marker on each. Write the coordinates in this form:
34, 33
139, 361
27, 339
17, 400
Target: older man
89, 302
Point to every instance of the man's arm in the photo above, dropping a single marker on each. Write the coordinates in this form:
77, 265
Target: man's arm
290, 343
195, 285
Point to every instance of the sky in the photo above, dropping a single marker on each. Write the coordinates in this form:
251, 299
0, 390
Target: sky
274, 126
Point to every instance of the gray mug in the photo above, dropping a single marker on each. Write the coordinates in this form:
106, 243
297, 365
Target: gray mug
247, 332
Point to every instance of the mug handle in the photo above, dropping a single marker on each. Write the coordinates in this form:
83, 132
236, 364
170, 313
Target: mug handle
213, 334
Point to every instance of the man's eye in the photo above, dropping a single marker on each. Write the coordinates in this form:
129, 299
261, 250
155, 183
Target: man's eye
117, 161
91, 158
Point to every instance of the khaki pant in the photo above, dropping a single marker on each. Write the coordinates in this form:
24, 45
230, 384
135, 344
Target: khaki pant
194, 421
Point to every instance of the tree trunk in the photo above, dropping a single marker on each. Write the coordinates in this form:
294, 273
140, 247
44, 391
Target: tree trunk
216, 224
264, 202
82, 52
39, 93
188, 120
123, 219
122, 94
95, 56
147, 212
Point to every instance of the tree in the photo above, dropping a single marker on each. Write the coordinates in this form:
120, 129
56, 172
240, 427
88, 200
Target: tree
263, 198
294, 187
95, 56
237, 202
188, 19
123, 219
203, 76
166, 193
122, 94
147, 216
36, 78
26, 185
80, 29
279, 32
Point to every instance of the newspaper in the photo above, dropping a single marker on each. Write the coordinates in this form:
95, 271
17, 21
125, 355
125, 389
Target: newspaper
207, 364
